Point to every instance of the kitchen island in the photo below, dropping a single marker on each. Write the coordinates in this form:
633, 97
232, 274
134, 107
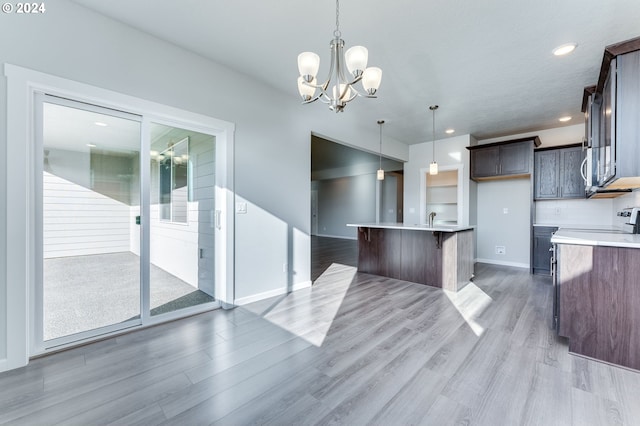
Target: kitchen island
597, 294
439, 256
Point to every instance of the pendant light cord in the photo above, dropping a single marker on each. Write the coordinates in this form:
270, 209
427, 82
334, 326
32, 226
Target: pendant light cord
337, 32
433, 108
380, 122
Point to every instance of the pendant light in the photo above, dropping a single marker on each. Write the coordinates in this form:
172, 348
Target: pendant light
380, 170
433, 167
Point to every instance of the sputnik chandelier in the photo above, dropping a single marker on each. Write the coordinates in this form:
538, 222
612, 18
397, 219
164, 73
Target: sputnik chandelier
341, 90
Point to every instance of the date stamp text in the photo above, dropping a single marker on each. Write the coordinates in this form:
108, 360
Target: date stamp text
24, 8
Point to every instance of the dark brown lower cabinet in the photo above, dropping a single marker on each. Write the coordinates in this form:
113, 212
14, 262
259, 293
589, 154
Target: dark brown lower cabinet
542, 249
439, 259
599, 302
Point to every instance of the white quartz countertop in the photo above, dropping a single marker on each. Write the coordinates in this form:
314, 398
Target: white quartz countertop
392, 225
596, 237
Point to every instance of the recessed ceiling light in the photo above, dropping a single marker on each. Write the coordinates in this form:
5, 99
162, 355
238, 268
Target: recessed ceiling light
449, 131
564, 49
90, 145
564, 119
100, 123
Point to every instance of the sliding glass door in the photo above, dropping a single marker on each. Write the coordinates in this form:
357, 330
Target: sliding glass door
126, 218
182, 218
90, 186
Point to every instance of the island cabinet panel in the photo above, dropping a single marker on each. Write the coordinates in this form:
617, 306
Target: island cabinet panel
421, 259
599, 299
435, 258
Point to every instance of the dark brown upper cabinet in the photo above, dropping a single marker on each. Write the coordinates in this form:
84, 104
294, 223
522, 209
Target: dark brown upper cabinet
557, 173
503, 160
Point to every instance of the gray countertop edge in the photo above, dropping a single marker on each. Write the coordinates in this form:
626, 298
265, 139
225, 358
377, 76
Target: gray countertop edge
402, 226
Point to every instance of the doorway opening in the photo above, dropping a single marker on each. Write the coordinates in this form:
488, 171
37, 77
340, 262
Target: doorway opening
344, 189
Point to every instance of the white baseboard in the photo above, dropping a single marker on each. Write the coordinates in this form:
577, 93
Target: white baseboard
336, 236
503, 263
271, 293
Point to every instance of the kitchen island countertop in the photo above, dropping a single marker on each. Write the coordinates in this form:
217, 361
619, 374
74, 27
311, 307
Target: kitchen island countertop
415, 227
596, 237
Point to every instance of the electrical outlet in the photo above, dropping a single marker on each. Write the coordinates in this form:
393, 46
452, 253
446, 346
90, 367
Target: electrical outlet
505, 210
501, 250
285, 267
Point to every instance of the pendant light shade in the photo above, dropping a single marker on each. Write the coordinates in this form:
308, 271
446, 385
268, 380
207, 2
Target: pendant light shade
433, 167
380, 175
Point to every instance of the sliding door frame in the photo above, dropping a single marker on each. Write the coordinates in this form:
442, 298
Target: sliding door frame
23, 85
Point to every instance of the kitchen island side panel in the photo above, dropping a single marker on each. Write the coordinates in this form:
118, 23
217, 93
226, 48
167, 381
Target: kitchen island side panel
457, 260
435, 258
421, 258
599, 299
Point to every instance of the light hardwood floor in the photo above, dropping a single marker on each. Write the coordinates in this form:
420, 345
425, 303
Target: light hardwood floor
354, 349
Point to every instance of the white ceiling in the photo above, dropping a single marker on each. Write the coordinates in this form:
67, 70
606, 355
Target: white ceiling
488, 64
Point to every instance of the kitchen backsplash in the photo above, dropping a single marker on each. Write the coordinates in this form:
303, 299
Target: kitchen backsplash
598, 212
629, 200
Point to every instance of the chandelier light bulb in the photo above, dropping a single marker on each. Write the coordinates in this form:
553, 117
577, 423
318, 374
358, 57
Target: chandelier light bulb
308, 64
371, 79
307, 91
356, 59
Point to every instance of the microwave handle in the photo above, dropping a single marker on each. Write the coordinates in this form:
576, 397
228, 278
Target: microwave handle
583, 170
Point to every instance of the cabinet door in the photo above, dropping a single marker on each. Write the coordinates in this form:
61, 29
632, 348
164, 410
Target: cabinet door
515, 158
485, 162
571, 183
541, 246
546, 174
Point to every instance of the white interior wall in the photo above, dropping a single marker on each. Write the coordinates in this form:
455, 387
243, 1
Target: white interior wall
497, 228
272, 137
78, 221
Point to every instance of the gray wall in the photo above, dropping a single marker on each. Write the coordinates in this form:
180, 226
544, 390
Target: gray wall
391, 198
345, 200
272, 148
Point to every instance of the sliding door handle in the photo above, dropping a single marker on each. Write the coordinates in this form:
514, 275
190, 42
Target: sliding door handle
218, 219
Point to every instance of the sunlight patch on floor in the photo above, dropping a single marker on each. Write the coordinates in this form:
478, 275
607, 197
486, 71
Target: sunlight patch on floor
312, 321
470, 302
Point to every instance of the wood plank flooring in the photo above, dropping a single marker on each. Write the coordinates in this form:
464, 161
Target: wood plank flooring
354, 349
